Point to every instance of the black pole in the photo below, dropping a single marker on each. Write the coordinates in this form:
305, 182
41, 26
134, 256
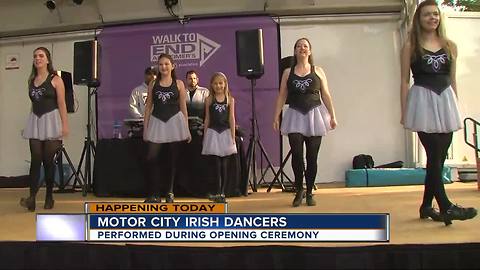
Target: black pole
87, 141
253, 137
254, 141
90, 150
88, 147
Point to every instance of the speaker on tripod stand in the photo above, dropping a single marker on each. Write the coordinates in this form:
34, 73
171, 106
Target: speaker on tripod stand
85, 72
285, 63
250, 64
62, 152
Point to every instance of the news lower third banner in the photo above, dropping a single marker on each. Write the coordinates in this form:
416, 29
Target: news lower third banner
238, 227
207, 222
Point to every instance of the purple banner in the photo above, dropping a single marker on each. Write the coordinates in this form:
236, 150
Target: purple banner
205, 45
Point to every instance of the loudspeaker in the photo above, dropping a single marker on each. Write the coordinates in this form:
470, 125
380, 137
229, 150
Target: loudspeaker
67, 81
249, 53
85, 63
285, 63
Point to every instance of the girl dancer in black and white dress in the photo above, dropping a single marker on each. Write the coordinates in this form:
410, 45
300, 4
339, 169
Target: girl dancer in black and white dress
219, 138
307, 118
165, 124
46, 125
430, 106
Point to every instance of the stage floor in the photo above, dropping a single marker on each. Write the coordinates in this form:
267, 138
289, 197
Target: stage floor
402, 202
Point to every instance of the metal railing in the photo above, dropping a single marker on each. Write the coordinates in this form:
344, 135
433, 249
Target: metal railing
476, 127
475, 144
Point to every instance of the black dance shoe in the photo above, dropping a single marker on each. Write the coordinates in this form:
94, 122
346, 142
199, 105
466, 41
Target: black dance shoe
49, 202
220, 198
430, 212
297, 201
28, 203
153, 199
456, 212
310, 200
170, 197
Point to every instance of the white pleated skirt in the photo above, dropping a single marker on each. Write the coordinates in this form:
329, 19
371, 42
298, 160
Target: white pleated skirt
429, 112
174, 130
44, 128
314, 123
218, 144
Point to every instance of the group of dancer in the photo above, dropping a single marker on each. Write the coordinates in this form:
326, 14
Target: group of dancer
167, 127
429, 107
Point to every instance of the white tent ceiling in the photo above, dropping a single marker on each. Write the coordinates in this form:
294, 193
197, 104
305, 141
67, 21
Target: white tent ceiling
23, 17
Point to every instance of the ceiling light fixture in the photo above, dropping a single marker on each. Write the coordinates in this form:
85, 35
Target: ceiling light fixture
51, 5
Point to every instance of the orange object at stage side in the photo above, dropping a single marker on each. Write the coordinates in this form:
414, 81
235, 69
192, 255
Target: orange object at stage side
155, 208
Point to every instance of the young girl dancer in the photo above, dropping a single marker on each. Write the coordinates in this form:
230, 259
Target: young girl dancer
165, 125
219, 138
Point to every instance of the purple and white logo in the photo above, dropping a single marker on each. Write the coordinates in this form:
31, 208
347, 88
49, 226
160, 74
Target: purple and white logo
187, 49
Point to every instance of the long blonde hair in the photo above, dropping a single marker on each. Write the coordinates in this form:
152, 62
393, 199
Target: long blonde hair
416, 31
227, 89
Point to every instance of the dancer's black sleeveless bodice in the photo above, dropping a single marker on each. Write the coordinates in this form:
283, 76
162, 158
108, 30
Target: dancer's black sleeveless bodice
219, 115
304, 91
165, 101
432, 70
43, 97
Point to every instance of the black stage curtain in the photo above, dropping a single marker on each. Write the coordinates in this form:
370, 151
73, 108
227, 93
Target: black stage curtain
14, 181
51, 255
120, 169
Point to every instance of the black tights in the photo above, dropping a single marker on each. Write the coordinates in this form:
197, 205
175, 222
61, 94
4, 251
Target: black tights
221, 164
312, 146
42, 152
436, 146
153, 163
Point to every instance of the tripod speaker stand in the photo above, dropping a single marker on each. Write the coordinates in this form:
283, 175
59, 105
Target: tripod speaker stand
280, 174
88, 147
86, 73
61, 151
77, 174
253, 143
250, 64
